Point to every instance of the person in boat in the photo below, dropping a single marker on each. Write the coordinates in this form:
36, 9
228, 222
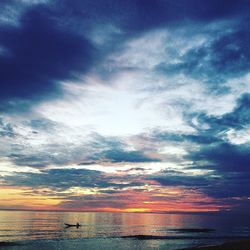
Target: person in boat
72, 225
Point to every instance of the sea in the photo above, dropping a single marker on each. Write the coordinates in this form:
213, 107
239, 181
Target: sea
26, 230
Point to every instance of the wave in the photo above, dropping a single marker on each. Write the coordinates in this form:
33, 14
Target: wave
8, 244
163, 237
192, 230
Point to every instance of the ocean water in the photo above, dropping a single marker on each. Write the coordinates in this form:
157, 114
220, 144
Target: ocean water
46, 230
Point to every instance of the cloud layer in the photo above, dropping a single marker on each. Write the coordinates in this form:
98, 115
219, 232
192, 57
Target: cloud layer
134, 105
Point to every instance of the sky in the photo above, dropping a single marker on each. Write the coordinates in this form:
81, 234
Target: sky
125, 106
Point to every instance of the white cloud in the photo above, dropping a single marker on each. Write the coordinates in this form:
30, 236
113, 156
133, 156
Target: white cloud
133, 100
238, 137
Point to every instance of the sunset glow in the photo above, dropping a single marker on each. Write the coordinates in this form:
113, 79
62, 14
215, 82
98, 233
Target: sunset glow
125, 106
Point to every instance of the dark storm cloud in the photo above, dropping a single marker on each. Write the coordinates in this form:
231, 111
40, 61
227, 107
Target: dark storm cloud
136, 15
90, 150
48, 44
225, 157
200, 138
120, 155
229, 163
48, 154
226, 185
113, 150
237, 119
37, 54
59, 179
167, 178
37, 160
229, 185
222, 57
51, 43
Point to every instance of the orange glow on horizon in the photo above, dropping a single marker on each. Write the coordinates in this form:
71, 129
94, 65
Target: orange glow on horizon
155, 199
22, 198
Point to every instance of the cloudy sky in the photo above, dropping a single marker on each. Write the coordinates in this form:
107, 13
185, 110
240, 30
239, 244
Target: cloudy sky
135, 106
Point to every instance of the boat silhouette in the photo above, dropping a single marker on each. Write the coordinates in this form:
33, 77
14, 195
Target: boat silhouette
72, 225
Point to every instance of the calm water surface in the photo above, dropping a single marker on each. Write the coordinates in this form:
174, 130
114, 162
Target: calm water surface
109, 228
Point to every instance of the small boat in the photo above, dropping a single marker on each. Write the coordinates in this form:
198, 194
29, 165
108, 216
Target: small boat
72, 225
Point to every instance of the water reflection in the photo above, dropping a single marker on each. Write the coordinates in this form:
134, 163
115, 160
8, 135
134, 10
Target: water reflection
26, 225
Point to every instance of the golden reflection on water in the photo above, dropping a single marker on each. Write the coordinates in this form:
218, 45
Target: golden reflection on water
23, 225
105, 229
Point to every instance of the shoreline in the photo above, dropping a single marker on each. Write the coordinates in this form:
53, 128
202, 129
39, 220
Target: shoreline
234, 245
